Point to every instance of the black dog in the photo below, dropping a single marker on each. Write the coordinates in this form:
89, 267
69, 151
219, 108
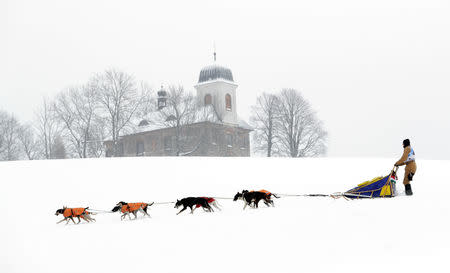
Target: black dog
193, 202
253, 197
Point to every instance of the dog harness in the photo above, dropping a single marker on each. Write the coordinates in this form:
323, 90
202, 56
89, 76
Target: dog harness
131, 207
74, 212
208, 199
268, 193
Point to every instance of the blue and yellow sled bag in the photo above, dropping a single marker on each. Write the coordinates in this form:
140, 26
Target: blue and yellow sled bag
383, 186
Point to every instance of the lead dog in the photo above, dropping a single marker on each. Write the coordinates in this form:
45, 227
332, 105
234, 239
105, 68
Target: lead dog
69, 213
193, 202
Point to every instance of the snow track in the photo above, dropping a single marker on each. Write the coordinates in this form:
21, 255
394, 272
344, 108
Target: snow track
299, 234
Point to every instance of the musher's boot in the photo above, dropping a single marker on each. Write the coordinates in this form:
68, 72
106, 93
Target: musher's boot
408, 190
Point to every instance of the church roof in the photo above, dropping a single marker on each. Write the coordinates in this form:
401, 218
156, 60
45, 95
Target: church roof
244, 125
214, 72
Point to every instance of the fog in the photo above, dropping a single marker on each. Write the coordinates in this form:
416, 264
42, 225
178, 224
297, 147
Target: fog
376, 73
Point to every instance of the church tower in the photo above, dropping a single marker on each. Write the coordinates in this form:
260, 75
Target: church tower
216, 86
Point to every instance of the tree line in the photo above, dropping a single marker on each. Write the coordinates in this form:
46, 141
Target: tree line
75, 122
286, 125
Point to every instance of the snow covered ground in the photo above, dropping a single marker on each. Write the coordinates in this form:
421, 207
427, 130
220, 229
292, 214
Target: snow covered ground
299, 234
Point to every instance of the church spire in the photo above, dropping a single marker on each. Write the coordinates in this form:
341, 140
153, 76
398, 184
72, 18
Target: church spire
214, 51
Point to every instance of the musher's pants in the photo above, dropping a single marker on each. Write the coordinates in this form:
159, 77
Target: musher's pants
410, 170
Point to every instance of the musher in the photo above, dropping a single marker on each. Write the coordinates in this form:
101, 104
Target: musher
409, 159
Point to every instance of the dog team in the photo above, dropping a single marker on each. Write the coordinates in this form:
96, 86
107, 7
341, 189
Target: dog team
250, 198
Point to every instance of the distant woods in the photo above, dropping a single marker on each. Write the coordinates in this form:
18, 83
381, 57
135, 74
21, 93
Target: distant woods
286, 125
75, 122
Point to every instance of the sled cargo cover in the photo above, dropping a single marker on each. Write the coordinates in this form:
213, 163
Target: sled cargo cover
382, 186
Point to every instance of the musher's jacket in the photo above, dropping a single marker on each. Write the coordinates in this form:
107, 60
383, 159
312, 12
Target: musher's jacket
409, 159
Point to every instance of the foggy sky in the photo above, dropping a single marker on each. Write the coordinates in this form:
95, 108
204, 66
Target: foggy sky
374, 72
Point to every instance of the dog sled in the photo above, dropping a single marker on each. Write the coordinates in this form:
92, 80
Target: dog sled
383, 186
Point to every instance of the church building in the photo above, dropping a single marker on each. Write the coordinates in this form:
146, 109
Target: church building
216, 131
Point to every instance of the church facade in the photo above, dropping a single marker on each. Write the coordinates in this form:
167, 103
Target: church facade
217, 132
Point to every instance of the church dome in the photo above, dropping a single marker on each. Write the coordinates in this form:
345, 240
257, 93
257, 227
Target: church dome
214, 72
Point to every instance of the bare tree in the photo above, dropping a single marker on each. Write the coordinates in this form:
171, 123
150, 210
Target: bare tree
264, 120
181, 110
3, 120
9, 131
29, 142
148, 103
97, 134
301, 133
77, 110
119, 100
47, 127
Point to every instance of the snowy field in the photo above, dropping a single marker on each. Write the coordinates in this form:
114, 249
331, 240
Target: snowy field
300, 234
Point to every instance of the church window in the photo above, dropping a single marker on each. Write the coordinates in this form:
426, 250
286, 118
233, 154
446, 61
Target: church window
151, 140
208, 99
244, 141
120, 149
140, 148
168, 143
153, 145
229, 140
228, 102
214, 137
109, 152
